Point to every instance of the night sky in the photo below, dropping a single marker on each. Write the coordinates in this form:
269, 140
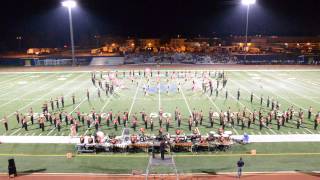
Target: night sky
45, 22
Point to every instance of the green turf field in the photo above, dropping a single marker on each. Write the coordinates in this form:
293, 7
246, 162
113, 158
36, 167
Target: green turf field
21, 91
270, 157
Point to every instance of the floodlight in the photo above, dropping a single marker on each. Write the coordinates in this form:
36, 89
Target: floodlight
248, 2
69, 4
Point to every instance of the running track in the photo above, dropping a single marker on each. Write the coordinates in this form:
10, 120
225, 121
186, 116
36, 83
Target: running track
251, 176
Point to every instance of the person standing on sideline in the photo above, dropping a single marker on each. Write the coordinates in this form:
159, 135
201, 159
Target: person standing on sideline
240, 165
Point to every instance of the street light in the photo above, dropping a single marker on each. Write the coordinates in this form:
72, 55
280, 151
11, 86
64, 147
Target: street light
71, 4
19, 38
247, 3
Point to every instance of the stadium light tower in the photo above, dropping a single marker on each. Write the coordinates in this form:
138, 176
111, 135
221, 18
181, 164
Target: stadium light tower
71, 4
247, 3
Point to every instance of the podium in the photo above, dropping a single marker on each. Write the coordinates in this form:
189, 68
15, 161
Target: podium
158, 162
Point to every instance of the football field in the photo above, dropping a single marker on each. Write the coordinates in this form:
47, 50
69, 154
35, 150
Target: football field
25, 90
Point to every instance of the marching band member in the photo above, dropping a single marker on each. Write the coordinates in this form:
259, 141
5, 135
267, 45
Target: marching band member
291, 112
179, 119
82, 118
211, 117
107, 118
261, 123
62, 101
176, 112
125, 119
88, 121
167, 124
309, 112
41, 123
5, 122
88, 95
76, 123
145, 119
96, 124
242, 122
119, 117
254, 116
52, 104
73, 130
316, 122
25, 123
201, 116
79, 114
59, 125
110, 115
134, 122
221, 117
17, 116
283, 118
99, 117
250, 119
238, 117
57, 103
190, 122
73, 99
299, 122
151, 123
115, 124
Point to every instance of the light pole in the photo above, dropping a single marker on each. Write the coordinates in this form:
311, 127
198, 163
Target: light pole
247, 3
71, 4
19, 38
97, 38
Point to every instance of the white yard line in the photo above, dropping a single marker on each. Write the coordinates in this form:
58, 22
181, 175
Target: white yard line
11, 79
159, 95
185, 100
276, 95
309, 130
101, 110
135, 96
292, 85
49, 92
218, 109
51, 131
6, 88
251, 112
83, 100
19, 128
53, 90
30, 92
290, 102
106, 104
75, 107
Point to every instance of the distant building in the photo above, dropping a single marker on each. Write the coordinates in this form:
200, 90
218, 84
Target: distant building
149, 43
177, 42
